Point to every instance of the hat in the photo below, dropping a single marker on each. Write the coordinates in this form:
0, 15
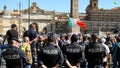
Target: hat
103, 40
13, 25
51, 38
15, 39
74, 38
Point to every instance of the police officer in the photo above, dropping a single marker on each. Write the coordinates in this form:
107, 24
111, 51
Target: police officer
73, 53
50, 55
14, 57
95, 53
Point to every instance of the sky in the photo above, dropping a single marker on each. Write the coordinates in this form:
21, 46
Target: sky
57, 5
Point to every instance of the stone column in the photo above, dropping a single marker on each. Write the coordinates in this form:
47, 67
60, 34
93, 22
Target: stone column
74, 14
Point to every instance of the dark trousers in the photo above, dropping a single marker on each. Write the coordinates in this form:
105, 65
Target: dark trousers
34, 55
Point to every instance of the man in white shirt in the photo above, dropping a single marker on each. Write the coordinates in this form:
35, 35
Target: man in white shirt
102, 41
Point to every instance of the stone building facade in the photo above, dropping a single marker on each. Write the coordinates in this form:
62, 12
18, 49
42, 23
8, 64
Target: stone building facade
44, 20
7, 18
101, 19
97, 20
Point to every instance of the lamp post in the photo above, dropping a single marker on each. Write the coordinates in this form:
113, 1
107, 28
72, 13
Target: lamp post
20, 24
28, 13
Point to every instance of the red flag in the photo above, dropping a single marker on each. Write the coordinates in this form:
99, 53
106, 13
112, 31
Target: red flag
82, 24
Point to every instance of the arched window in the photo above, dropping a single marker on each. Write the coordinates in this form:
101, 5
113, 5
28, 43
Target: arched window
94, 4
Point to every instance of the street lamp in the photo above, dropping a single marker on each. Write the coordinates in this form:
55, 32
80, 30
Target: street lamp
20, 20
28, 13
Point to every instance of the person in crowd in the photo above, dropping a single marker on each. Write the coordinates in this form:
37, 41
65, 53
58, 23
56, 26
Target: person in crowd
67, 39
20, 38
10, 34
27, 50
50, 56
32, 35
40, 43
1, 39
102, 41
109, 43
116, 53
61, 41
94, 53
80, 36
14, 56
73, 53
84, 43
1, 43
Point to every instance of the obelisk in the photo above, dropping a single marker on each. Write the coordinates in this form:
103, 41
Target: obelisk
74, 14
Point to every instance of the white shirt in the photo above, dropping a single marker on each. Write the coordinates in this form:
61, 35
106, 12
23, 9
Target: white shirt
107, 52
1, 40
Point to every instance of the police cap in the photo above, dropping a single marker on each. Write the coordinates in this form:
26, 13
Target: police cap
51, 38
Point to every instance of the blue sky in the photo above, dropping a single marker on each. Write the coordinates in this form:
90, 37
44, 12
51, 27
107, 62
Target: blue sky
57, 5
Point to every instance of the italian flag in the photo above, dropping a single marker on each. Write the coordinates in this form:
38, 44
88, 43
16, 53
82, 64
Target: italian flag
74, 22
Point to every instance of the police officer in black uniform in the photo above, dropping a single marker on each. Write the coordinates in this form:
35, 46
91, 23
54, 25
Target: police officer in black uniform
50, 55
14, 57
94, 53
73, 53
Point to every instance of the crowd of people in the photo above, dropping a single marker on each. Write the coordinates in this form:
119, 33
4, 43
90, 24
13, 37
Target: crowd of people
33, 50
